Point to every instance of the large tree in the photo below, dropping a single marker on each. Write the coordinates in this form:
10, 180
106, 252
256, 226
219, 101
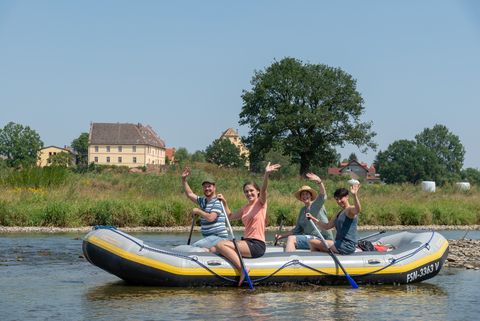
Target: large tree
223, 153
19, 145
436, 155
404, 161
447, 147
80, 145
309, 109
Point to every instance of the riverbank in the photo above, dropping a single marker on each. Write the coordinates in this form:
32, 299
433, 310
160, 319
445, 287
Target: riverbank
181, 229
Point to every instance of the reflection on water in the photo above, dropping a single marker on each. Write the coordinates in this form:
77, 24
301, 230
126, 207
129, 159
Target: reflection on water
45, 277
272, 302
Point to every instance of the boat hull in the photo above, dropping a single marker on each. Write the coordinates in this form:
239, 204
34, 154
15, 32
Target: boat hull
419, 256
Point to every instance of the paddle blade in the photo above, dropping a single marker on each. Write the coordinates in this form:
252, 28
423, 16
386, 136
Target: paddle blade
247, 277
352, 281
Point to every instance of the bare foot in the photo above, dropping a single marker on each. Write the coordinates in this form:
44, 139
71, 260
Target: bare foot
242, 276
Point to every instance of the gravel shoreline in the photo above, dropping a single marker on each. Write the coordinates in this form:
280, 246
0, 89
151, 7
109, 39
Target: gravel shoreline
86, 229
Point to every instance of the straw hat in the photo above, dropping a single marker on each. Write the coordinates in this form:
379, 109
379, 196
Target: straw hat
305, 188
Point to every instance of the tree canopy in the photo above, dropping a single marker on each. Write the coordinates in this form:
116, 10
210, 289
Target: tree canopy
447, 147
80, 145
181, 155
308, 109
19, 145
436, 155
223, 153
62, 159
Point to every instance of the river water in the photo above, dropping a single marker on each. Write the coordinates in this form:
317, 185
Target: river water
45, 277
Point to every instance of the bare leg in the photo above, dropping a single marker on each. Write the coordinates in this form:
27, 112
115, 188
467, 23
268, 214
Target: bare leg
227, 249
317, 245
291, 242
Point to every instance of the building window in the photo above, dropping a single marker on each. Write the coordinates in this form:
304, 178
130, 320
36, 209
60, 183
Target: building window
108, 149
96, 159
119, 159
108, 159
134, 149
119, 149
96, 149
134, 159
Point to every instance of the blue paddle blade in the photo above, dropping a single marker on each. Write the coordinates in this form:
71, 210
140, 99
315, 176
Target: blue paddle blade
352, 282
250, 284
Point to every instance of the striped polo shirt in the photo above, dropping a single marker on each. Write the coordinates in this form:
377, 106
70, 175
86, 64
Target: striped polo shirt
217, 227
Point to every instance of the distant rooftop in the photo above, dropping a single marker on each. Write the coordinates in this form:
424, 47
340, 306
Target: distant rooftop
124, 134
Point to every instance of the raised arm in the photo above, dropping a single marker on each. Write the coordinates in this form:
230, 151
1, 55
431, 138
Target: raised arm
263, 190
352, 211
186, 188
318, 181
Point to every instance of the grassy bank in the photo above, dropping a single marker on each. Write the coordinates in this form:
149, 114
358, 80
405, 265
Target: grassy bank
65, 199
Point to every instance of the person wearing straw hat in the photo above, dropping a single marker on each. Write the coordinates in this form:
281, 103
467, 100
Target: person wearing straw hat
210, 210
303, 232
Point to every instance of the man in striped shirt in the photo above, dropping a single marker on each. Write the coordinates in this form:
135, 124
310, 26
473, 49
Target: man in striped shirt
210, 210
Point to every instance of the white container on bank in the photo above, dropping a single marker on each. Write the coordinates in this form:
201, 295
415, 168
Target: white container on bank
428, 186
463, 186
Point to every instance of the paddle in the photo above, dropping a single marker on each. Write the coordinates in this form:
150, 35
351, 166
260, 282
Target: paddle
247, 277
191, 229
334, 257
282, 218
371, 235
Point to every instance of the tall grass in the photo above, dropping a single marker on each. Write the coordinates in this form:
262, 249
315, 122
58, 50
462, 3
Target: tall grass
58, 197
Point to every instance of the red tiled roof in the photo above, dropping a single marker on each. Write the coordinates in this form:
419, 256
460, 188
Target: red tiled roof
170, 152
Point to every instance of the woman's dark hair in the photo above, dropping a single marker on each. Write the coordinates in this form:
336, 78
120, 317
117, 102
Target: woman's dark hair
253, 184
340, 192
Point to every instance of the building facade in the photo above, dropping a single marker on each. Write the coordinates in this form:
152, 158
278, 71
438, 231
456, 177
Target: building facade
45, 153
357, 170
234, 138
132, 145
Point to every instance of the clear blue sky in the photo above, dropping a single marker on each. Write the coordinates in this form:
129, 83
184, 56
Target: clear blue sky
181, 66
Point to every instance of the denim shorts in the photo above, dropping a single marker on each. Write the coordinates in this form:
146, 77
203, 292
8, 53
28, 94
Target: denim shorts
345, 247
302, 241
209, 241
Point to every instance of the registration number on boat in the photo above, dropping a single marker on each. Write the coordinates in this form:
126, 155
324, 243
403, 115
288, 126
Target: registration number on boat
422, 272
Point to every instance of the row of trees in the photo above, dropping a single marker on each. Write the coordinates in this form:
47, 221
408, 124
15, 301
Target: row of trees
435, 154
20, 145
298, 114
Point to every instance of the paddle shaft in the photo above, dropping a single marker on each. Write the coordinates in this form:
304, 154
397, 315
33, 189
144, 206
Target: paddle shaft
237, 249
334, 257
191, 229
279, 230
371, 235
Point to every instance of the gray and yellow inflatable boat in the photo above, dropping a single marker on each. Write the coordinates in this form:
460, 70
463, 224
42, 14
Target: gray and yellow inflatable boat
417, 256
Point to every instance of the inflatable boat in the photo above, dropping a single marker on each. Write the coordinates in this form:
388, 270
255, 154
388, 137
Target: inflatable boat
416, 256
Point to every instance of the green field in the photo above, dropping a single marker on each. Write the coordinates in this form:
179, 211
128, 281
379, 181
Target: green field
59, 197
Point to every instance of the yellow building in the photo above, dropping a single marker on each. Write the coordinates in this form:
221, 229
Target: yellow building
45, 153
131, 145
234, 138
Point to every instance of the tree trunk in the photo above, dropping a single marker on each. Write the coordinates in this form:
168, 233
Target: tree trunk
304, 164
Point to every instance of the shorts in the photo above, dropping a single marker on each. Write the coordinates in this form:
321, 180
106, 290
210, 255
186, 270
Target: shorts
302, 241
209, 241
345, 247
257, 248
